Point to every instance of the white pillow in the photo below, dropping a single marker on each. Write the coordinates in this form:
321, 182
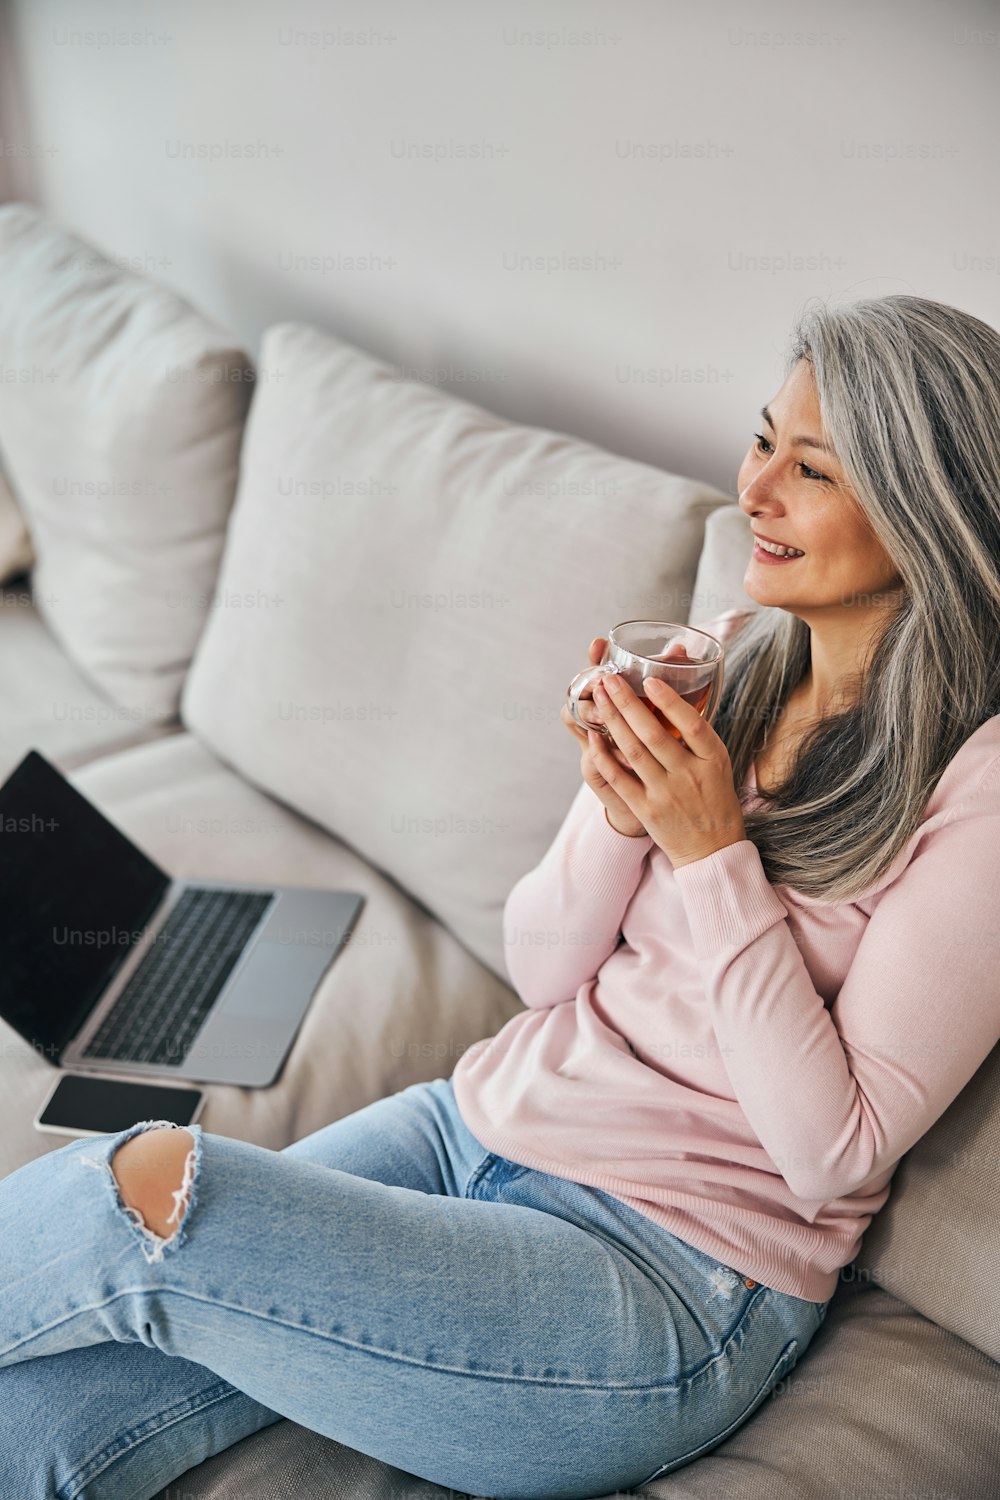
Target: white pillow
722, 566
120, 431
16, 553
418, 580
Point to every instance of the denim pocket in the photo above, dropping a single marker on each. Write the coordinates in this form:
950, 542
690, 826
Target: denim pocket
786, 1359
492, 1176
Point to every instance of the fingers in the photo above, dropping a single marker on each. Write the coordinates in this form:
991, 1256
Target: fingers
595, 651
587, 712
599, 758
635, 732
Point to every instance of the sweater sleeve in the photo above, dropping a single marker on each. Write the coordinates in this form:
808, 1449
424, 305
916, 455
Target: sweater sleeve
562, 919
837, 1097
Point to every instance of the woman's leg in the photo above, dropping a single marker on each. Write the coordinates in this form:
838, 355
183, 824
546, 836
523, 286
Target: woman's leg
114, 1420
502, 1344
124, 1419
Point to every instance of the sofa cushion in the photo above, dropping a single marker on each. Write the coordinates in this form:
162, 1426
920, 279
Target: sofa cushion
46, 703
424, 579
16, 551
718, 585
936, 1242
121, 443
884, 1403
399, 1004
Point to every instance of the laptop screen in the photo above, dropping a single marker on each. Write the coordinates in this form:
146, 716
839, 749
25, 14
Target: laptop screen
75, 893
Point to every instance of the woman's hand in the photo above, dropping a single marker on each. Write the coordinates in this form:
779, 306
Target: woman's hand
615, 810
682, 793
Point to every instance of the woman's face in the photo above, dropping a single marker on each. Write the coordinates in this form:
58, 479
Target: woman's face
795, 493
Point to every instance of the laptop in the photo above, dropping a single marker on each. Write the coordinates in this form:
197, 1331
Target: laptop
108, 965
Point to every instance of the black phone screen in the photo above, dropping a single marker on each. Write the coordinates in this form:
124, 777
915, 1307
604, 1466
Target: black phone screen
107, 1105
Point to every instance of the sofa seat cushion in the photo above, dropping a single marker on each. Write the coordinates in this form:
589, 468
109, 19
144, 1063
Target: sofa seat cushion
399, 1004
423, 580
47, 704
121, 444
884, 1403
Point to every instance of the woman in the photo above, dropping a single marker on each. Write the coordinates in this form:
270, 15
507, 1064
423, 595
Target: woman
588, 1257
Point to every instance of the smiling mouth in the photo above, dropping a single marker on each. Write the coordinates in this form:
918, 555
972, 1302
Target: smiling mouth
776, 557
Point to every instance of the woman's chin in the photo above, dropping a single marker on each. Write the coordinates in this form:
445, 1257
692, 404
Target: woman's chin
757, 587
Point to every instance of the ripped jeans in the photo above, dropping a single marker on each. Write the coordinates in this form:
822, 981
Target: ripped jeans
387, 1282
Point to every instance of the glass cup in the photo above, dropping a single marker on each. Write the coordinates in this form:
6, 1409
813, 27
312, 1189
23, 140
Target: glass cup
689, 660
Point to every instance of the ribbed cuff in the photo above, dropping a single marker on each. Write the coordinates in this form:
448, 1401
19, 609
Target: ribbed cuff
728, 899
604, 861
633, 838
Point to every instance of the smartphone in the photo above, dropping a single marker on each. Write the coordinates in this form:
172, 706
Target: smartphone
88, 1104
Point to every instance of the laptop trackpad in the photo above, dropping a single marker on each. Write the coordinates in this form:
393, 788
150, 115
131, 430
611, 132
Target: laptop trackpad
276, 981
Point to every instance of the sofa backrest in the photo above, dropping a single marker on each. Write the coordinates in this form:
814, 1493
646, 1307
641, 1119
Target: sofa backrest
936, 1243
723, 562
408, 586
121, 415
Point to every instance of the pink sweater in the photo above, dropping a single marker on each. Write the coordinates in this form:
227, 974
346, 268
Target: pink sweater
743, 1064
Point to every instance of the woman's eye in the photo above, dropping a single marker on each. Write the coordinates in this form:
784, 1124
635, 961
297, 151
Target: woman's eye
807, 472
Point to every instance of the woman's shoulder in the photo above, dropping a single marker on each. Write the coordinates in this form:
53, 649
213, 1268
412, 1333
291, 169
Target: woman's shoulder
725, 626
972, 774
968, 792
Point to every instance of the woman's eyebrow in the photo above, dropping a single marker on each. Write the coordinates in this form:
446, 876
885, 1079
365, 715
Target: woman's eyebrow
799, 442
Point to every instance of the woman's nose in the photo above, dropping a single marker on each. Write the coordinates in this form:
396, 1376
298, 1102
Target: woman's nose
762, 489
753, 495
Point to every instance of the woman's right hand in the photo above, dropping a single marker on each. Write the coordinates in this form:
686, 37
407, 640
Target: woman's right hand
616, 811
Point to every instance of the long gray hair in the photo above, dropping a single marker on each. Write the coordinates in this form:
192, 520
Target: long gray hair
909, 392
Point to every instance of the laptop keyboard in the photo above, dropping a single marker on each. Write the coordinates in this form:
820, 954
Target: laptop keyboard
163, 1006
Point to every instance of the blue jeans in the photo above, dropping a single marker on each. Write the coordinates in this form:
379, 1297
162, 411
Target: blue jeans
385, 1281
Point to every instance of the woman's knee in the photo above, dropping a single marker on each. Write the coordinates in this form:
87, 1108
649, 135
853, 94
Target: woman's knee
154, 1171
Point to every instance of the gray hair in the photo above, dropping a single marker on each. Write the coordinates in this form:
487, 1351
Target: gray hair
909, 392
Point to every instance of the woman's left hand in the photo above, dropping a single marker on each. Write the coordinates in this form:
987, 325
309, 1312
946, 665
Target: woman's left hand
683, 794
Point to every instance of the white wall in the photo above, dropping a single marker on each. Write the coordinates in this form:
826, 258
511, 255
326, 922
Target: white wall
680, 145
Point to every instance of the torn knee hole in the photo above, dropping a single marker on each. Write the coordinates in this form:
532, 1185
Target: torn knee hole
155, 1174
181, 1195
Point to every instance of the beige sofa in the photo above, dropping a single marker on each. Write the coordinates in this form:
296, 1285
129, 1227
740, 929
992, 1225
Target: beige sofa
382, 532
47, 700
122, 410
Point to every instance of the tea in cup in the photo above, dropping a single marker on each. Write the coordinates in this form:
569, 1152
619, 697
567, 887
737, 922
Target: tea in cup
687, 659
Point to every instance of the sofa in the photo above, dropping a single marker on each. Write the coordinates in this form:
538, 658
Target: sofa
122, 410
337, 610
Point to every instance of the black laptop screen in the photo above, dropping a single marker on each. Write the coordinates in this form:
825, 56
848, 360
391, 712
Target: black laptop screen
74, 895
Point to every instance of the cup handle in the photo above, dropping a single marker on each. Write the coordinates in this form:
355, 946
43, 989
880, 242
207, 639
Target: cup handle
584, 680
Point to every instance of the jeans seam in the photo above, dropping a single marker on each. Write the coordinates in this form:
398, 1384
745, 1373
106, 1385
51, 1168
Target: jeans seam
479, 1173
510, 1171
127, 1442
778, 1370
756, 1296
394, 1357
